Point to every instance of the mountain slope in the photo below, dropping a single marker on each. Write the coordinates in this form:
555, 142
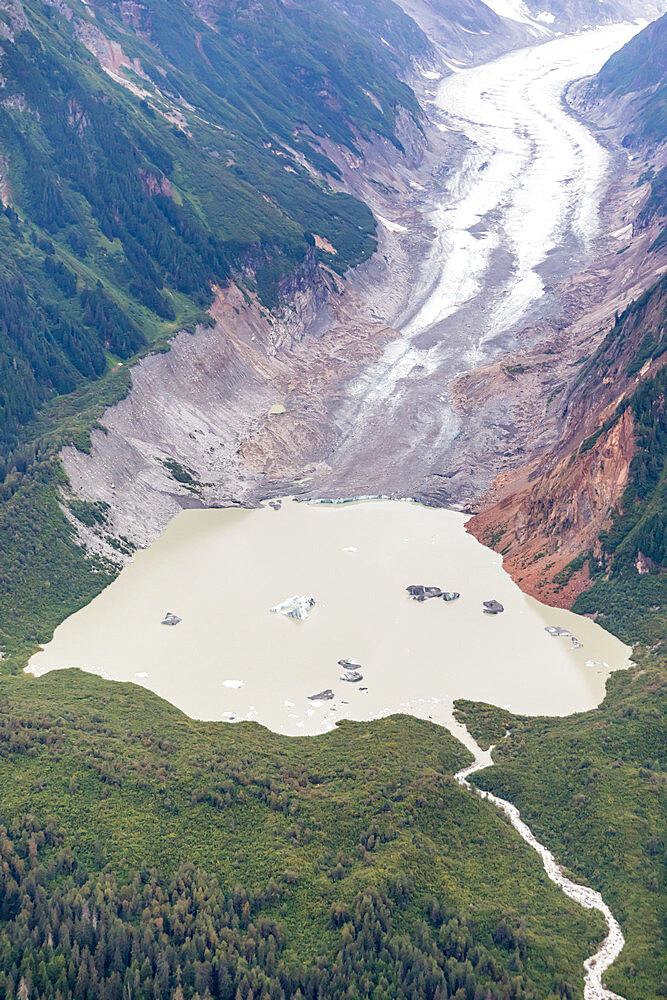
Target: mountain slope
150, 153
636, 73
115, 185
584, 524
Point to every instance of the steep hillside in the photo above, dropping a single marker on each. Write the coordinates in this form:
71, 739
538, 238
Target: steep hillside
150, 153
593, 512
583, 525
124, 204
629, 96
636, 74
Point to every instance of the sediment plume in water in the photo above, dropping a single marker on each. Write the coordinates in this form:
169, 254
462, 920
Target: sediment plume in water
229, 657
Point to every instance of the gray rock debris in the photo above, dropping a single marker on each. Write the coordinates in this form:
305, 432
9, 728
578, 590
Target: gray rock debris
322, 696
492, 607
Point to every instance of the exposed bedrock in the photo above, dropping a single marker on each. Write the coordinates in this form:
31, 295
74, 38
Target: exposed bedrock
424, 373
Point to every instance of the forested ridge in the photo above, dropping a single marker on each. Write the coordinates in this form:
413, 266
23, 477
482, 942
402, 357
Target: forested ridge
205, 859
91, 937
118, 220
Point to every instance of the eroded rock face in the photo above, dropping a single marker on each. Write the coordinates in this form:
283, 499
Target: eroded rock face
209, 404
205, 404
548, 512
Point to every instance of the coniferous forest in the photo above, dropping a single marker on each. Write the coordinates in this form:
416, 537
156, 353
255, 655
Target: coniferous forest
152, 153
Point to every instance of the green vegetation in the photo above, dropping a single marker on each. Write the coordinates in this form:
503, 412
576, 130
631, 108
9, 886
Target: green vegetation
48, 576
194, 860
592, 787
630, 603
121, 210
293, 864
179, 473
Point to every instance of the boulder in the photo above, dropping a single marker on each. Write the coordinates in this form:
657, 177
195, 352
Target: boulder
170, 619
450, 595
352, 675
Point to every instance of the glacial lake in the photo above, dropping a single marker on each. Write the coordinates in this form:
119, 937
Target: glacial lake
230, 658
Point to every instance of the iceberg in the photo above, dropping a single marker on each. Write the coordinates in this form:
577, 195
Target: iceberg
297, 607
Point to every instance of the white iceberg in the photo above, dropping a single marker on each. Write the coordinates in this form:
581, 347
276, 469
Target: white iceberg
295, 607
232, 684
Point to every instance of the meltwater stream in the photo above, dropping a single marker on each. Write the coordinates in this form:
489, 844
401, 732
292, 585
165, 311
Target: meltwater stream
229, 657
595, 966
522, 212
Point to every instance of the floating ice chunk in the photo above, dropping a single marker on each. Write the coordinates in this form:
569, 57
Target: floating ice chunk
556, 630
171, 619
350, 548
288, 704
591, 663
297, 607
232, 684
